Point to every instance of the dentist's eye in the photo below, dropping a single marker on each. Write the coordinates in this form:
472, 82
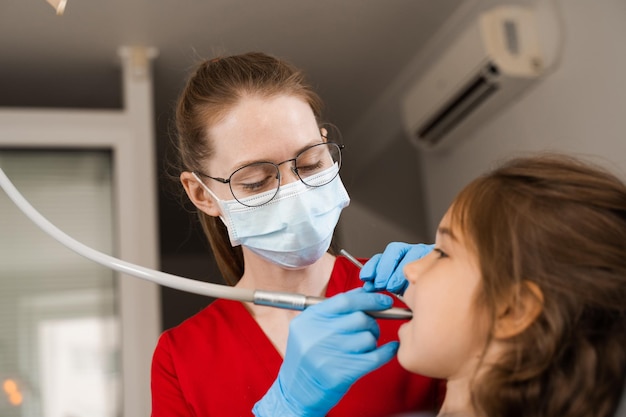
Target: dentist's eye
440, 253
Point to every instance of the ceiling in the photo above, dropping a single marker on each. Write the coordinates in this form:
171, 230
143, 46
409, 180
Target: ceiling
351, 49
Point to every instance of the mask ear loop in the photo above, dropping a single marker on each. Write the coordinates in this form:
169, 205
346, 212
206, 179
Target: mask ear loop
217, 200
206, 188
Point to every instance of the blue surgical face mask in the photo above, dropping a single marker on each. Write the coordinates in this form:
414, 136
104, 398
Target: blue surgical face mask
294, 229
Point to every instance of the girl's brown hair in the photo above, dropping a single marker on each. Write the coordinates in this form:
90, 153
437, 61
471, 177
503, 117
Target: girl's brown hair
561, 224
214, 88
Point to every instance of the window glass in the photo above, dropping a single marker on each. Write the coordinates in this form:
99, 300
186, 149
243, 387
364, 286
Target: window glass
59, 327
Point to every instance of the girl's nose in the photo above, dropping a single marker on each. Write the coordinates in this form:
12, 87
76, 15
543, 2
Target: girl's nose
413, 269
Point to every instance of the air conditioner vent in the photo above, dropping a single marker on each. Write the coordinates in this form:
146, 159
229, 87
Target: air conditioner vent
467, 100
487, 65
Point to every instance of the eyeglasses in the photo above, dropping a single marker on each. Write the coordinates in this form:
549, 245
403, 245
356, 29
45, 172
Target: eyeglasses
262, 179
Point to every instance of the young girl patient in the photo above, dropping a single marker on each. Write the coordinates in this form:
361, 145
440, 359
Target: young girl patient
521, 306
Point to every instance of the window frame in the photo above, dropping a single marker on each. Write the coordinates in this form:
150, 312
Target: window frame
129, 134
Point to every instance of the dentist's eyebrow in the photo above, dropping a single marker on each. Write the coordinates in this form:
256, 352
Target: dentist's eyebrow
446, 231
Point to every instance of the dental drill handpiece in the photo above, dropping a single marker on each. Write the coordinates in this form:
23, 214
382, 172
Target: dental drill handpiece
300, 302
293, 301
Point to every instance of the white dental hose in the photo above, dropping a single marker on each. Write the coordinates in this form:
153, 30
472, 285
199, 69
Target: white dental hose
162, 278
269, 298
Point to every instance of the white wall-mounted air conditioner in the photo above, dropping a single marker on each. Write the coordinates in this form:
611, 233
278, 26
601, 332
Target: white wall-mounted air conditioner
491, 61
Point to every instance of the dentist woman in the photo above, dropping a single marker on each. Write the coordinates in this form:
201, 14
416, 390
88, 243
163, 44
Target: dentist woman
263, 173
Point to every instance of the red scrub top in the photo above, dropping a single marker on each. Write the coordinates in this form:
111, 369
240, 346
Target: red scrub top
219, 363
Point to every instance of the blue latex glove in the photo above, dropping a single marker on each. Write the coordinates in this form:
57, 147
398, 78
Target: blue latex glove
386, 271
330, 346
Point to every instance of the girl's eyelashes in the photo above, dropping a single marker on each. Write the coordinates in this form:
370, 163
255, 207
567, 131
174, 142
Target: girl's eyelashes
441, 254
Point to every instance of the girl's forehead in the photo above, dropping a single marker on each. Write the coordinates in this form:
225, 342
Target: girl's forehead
454, 227
449, 223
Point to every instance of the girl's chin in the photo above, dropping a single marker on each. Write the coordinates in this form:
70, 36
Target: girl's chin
402, 331
403, 327
405, 357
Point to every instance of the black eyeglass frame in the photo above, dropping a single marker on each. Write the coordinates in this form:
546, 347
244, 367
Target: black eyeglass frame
294, 169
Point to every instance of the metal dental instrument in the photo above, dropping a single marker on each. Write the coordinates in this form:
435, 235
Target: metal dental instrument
285, 300
403, 313
351, 258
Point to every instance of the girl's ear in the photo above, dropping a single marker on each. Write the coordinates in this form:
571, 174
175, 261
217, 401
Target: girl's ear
204, 201
520, 310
